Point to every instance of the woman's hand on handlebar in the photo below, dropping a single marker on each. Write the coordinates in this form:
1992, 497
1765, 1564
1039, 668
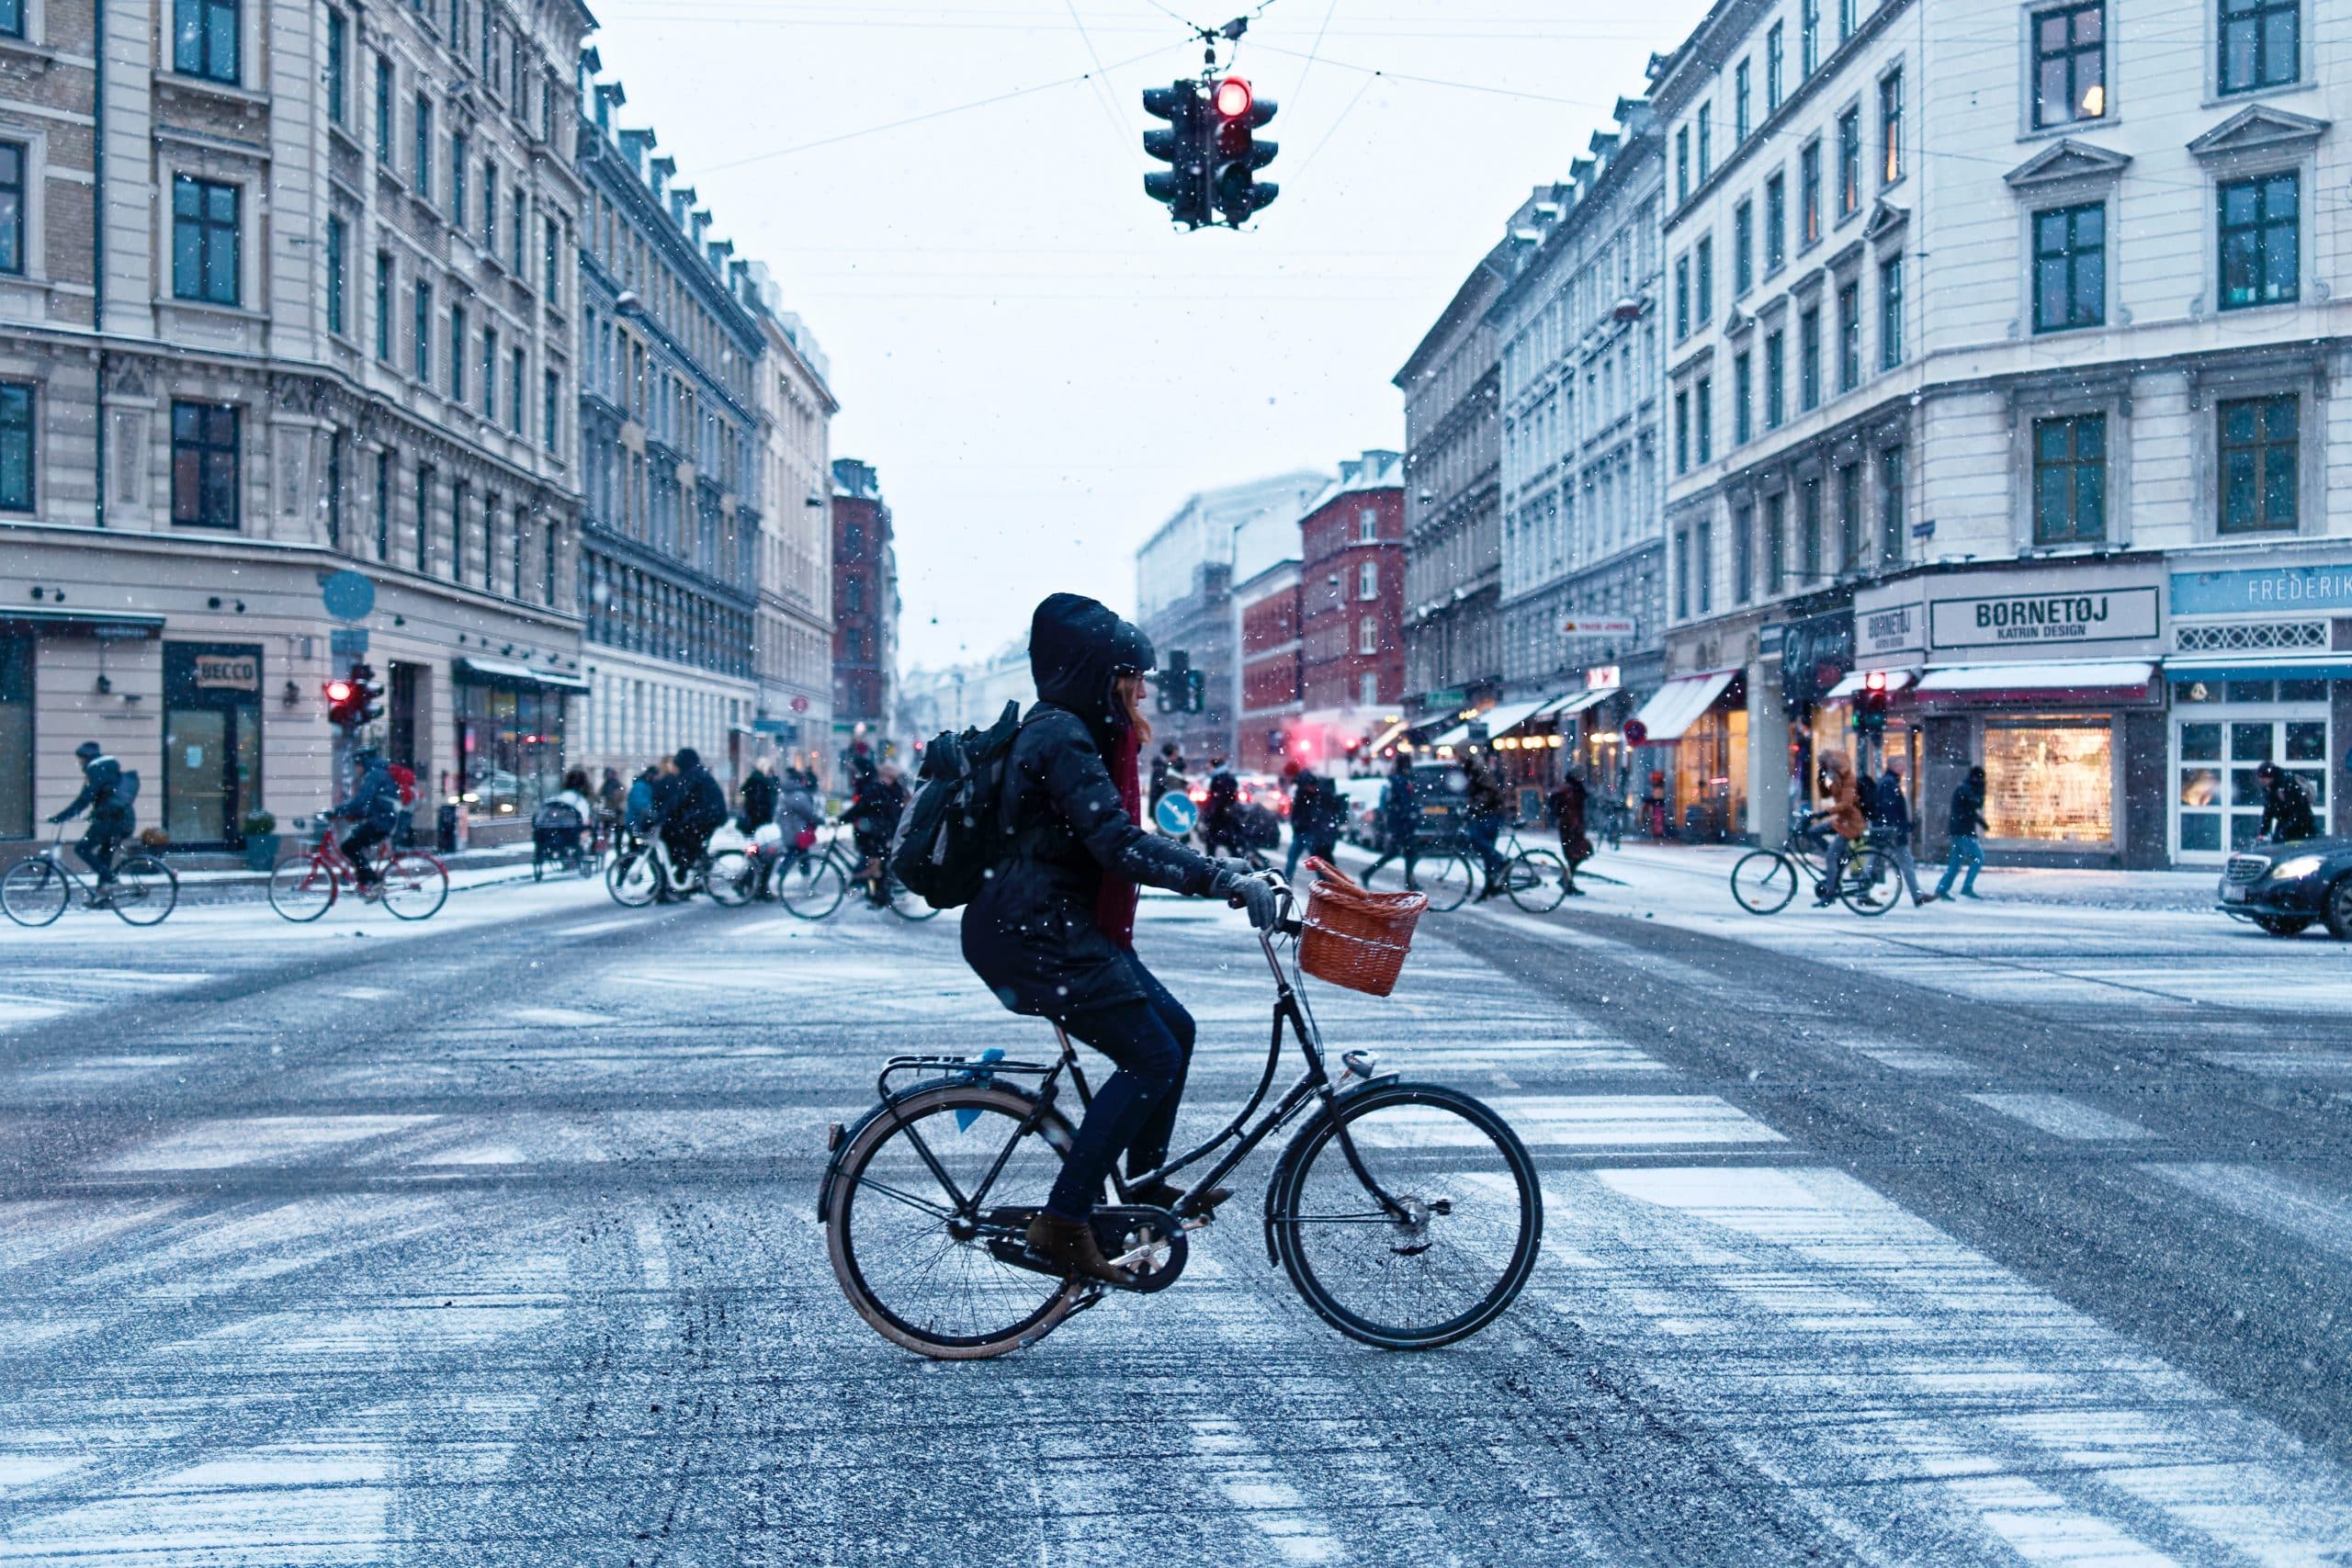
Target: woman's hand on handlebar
1256, 893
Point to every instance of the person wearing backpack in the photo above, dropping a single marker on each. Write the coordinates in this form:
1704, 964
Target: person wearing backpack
375, 806
1051, 931
106, 795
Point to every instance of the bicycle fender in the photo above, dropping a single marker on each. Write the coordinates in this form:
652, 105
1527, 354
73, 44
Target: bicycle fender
1040, 1110
1292, 1151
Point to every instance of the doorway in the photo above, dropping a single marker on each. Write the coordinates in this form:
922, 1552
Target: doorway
212, 775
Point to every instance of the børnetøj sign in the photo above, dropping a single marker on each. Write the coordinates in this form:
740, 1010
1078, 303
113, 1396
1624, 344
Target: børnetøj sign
2068, 618
2104, 611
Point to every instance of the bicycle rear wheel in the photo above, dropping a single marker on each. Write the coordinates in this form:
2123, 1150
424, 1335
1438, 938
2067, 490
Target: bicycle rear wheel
905, 902
145, 890
910, 1249
1764, 881
1448, 877
811, 886
303, 888
1537, 881
415, 885
731, 878
1871, 885
35, 892
1468, 1240
634, 879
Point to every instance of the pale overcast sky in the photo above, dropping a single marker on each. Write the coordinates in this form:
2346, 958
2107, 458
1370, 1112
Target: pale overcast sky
1038, 364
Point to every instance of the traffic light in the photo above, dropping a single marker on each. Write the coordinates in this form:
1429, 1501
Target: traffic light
1236, 156
1870, 704
1173, 682
371, 695
1183, 146
341, 712
352, 701
1195, 689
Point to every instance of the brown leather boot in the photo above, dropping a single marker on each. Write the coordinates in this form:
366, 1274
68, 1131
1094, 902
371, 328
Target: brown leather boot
1071, 1245
1163, 1195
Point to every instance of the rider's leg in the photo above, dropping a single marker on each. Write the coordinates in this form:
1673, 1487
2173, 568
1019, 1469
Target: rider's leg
96, 849
1148, 1148
1151, 1063
355, 847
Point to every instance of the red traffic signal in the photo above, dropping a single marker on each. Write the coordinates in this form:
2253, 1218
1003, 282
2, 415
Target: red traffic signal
338, 692
1232, 98
1875, 680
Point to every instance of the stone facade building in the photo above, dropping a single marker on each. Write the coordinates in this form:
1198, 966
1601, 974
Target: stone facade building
328, 253
795, 620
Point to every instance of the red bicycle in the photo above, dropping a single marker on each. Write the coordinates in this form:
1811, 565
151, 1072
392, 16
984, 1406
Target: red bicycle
410, 883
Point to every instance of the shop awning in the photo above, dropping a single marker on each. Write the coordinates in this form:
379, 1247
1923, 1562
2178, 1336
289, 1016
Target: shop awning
101, 623
501, 673
1568, 706
1673, 707
1504, 718
2261, 666
1387, 738
1455, 737
2090, 676
1896, 680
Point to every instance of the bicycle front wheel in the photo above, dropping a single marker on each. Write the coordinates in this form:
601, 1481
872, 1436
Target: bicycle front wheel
1452, 1252
1764, 881
301, 888
415, 885
915, 1199
633, 879
1449, 878
35, 892
811, 886
1537, 881
731, 878
145, 891
1871, 885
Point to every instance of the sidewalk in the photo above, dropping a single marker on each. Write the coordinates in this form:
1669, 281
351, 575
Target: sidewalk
2177, 890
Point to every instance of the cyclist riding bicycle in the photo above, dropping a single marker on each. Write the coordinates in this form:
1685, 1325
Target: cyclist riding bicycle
107, 794
1843, 817
693, 806
375, 806
1052, 933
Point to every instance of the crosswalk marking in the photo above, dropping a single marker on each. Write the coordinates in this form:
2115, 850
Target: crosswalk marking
2063, 1117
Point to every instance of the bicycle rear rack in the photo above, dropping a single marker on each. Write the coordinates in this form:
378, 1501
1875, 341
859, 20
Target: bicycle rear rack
988, 1065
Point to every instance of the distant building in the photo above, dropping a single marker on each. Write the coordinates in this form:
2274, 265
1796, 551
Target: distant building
966, 695
865, 611
794, 630
1265, 609
1351, 605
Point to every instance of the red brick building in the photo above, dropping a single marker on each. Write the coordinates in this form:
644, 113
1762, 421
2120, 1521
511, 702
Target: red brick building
866, 610
1351, 599
1267, 606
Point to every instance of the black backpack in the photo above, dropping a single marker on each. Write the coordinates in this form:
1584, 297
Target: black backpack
953, 834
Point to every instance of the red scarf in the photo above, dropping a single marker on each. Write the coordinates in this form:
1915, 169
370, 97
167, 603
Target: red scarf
1115, 901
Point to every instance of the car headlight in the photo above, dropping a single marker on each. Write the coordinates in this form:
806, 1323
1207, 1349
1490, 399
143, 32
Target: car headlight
2294, 869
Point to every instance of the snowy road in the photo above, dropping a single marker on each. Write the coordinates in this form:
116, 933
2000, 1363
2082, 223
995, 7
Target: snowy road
1998, 1233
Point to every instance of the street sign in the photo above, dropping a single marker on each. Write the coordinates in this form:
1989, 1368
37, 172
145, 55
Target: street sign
1635, 733
1598, 625
347, 643
350, 596
801, 704
1176, 813
1603, 678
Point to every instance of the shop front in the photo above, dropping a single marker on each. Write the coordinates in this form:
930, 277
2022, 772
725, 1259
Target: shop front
510, 741
212, 742
1700, 722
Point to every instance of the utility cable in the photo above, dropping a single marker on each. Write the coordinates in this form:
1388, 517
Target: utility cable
1101, 82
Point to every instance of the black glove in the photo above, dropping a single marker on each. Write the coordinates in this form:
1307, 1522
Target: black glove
60, 820
1245, 891
1228, 866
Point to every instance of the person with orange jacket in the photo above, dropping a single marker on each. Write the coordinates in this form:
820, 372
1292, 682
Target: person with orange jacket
1843, 817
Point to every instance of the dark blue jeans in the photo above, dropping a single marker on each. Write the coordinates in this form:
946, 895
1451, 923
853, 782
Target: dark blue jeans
1151, 1042
1482, 832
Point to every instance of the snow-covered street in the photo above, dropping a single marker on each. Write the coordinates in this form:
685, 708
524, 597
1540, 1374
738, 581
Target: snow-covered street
2013, 1232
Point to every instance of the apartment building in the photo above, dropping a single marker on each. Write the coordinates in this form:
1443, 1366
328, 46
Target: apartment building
795, 630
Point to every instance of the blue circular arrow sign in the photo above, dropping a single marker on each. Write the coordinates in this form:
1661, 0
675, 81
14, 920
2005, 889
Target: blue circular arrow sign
350, 596
1176, 813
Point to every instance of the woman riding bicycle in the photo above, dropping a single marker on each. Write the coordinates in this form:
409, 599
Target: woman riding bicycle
1052, 934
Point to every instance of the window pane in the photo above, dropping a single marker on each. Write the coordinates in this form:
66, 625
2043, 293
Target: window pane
2306, 742
2278, 487
2249, 691
2250, 743
2237, 490
2200, 742
2201, 831
2201, 787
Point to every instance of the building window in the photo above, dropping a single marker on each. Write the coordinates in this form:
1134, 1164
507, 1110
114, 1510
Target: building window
489, 372
489, 208
384, 110
1683, 164
2260, 449
383, 505
1703, 289
1809, 530
421, 341
553, 262
2261, 233
2070, 65
1890, 128
1850, 162
12, 207
1683, 575
2261, 44
551, 424
1776, 543
204, 241
204, 466
1808, 38
1743, 556
204, 38
422, 158
384, 307
1706, 142
1368, 580
1889, 312
1809, 360
1776, 375
1740, 123
338, 67
1368, 527
1703, 394
1367, 634
1849, 336
1368, 689
1774, 50
1681, 296
1702, 565
1850, 516
2070, 268
424, 486
2070, 479
1742, 249
1776, 223
1681, 433
336, 243
1809, 195
459, 493
1743, 411
1846, 11
2050, 781
1890, 505
514, 420
16, 446
456, 354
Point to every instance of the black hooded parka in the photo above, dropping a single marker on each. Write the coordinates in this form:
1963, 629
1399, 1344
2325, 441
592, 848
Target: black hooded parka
1032, 934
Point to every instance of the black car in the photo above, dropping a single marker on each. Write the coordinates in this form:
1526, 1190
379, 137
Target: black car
2284, 888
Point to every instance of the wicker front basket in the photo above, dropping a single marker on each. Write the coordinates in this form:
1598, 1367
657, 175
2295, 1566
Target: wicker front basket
1356, 939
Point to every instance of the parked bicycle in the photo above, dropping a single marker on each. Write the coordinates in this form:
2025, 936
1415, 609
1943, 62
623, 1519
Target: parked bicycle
812, 883
39, 889
1407, 1216
414, 884
635, 876
1764, 881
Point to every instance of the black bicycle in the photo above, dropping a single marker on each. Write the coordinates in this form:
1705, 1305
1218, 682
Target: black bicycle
1407, 1216
1765, 880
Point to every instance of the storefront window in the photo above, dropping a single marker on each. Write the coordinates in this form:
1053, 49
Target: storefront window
2226, 730
510, 746
16, 735
2050, 781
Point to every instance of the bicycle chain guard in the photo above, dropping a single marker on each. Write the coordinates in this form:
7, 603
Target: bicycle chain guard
1147, 1242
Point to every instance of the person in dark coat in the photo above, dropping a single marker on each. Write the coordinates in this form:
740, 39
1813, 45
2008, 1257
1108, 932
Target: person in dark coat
1221, 813
1890, 815
1052, 933
1966, 821
1400, 822
873, 818
111, 817
1486, 806
611, 795
758, 795
1566, 803
2286, 812
691, 807
1167, 773
375, 808
1316, 815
